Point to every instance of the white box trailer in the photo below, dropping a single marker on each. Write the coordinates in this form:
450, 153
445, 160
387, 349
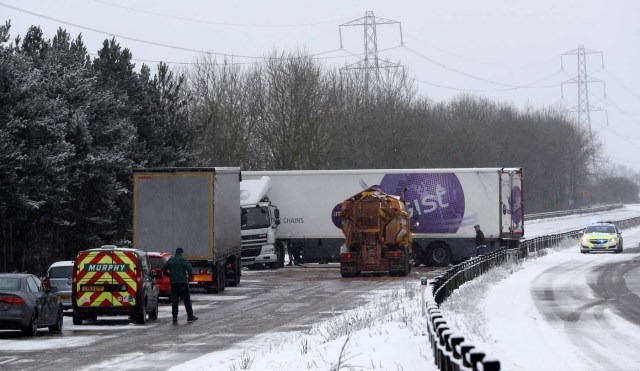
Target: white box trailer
197, 209
449, 202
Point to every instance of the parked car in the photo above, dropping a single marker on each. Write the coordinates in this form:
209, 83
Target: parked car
113, 281
60, 275
601, 236
157, 262
27, 305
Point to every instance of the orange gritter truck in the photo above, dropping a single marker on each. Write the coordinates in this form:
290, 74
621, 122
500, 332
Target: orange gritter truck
377, 230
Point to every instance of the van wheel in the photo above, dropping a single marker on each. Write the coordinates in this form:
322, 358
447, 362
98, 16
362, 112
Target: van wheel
32, 328
154, 313
141, 316
57, 327
77, 319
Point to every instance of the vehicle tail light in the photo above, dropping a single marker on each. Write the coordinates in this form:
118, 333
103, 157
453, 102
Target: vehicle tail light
12, 300
47, 282
346, 255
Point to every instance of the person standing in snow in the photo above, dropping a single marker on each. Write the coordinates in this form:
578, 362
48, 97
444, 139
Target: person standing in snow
179, 272
480, 243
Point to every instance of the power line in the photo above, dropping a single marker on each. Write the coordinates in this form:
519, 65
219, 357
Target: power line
496, 90
215, 22
111, 34
510, 86
475, 60
244, 63
621, 84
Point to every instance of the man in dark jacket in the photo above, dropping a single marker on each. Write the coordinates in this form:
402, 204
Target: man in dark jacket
480, 244
180, 271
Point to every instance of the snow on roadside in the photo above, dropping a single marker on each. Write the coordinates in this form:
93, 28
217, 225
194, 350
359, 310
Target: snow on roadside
387, 333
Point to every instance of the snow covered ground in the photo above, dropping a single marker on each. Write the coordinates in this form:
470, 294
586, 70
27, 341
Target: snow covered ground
389, 333
397, 339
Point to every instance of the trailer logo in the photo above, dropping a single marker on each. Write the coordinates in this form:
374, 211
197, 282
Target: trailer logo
293, 220
514, 206
437, 198
335, 216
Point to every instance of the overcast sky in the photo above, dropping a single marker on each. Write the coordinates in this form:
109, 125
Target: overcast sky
506, 50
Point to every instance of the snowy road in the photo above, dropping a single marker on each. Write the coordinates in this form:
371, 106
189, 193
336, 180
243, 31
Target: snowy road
288, 299
571, 311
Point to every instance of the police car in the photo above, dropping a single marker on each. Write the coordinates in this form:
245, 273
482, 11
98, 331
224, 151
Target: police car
601, 236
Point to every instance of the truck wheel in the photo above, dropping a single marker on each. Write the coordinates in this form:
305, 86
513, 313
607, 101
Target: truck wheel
439, 255
280, 255
417, 255
222, 274
407, 266
235, 279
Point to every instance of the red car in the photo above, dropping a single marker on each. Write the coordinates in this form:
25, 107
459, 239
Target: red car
157, 262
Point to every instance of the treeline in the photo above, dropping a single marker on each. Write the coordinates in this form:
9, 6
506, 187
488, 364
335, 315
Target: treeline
73, 126
71, 130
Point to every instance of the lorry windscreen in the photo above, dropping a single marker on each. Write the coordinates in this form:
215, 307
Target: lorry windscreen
255, 217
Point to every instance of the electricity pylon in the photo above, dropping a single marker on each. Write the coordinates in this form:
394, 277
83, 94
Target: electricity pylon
371, 64
583, 108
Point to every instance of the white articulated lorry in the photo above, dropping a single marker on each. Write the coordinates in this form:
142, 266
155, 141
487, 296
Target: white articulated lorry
449, 202
260, 218
196, 209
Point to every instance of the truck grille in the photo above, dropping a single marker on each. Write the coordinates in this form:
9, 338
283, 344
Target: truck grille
255, 240
250, 252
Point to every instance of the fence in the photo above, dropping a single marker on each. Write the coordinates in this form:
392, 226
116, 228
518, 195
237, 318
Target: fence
450, 350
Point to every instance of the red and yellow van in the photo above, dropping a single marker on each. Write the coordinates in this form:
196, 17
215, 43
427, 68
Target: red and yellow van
111, 281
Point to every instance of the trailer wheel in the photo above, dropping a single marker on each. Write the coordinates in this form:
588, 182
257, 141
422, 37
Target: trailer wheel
237, 272
221, 284
280, 254
440, 255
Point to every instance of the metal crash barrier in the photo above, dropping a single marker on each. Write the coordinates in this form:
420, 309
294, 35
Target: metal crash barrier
450, 350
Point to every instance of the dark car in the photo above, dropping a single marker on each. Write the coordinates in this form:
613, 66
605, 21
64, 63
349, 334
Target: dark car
60, 275
26, 304
157, 262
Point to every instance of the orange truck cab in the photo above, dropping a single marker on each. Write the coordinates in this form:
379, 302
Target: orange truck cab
112, 281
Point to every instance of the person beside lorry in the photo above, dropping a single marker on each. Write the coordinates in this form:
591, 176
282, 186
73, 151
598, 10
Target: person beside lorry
179, 270
480, 243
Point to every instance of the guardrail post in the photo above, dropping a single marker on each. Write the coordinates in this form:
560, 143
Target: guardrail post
465, 348
490, 365
475, 357
423, 286
454, 342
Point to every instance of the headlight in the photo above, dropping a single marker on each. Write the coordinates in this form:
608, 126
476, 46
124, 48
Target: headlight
268, 249
583, 240
613, 239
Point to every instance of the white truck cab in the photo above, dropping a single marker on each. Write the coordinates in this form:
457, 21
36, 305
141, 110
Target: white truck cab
260, 218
